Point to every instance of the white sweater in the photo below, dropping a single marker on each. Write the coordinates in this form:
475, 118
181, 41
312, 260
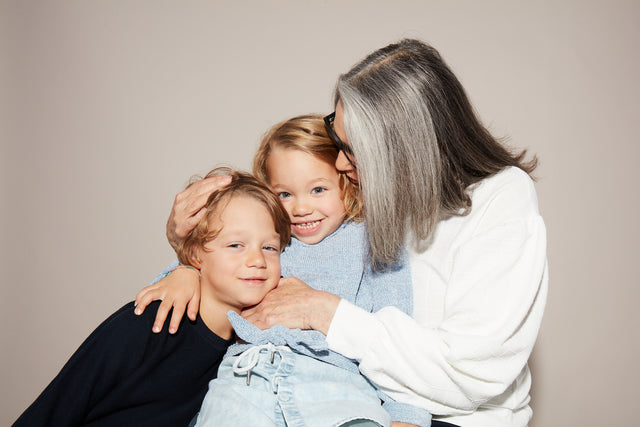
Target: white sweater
479, 294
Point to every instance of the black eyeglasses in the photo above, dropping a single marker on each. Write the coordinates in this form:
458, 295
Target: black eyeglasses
341, 146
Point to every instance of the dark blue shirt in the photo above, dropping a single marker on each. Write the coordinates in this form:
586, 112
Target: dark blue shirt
125, 375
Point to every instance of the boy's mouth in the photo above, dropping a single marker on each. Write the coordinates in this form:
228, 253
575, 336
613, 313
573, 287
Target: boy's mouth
254, 280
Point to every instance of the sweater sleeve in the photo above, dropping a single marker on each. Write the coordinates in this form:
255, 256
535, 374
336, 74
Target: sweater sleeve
166, 271
406, 413
493, 307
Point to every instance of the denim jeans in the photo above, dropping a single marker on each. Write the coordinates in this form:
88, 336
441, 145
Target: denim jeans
283, 388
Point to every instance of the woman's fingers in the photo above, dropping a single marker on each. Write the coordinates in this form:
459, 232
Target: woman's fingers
188, 206
262, 315
294, 304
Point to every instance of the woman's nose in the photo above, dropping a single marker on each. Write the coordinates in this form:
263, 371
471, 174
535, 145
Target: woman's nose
342, 163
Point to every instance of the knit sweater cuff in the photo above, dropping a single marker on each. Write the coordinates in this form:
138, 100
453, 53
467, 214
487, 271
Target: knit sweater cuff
406, 413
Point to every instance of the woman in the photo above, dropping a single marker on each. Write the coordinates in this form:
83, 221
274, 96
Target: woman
431, 177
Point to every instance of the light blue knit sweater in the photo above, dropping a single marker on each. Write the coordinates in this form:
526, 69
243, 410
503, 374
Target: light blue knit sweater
339, 265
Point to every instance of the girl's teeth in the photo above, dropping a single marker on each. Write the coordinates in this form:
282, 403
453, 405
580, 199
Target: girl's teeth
308, 224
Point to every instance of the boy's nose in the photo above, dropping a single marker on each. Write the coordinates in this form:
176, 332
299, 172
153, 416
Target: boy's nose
255, 258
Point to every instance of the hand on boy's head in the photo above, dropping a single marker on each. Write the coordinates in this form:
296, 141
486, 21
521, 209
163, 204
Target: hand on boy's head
188, 207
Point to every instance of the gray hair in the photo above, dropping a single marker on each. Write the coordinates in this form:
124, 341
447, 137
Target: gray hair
417, 142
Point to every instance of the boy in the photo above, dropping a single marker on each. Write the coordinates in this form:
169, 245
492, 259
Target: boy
124, 374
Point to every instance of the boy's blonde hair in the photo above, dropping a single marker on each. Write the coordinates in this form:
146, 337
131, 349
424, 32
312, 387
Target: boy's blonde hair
242, 184
308, 134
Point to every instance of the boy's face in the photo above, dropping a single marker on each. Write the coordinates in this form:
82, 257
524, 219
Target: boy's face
309, 190
242, 263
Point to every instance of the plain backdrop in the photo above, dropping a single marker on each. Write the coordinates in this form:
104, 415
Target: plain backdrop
108, 107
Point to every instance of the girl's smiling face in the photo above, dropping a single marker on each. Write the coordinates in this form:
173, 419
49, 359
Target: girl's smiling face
309, 189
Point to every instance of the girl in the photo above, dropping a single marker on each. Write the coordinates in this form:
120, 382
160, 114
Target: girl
328, 252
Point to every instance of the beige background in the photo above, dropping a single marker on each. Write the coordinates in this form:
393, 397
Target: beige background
108, 107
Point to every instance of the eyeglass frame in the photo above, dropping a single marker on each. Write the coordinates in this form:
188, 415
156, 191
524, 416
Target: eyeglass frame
341, 146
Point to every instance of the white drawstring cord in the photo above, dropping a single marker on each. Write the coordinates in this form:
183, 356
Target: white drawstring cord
252, 356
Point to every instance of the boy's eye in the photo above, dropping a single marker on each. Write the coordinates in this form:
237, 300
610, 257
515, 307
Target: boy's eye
234, 245
272, 248
318, 190
284, 194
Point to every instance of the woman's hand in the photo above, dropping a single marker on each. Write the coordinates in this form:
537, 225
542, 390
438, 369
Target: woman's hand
294, 304
179, 288
188, 207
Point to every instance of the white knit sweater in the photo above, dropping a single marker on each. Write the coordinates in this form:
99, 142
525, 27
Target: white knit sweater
479, 292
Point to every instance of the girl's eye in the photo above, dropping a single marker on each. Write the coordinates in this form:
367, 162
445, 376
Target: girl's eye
318, 190
284, 194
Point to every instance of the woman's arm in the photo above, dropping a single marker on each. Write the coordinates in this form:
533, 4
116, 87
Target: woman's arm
491, 312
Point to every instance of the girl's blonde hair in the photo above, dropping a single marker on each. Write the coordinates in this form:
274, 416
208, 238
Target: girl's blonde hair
308, 134
242, 184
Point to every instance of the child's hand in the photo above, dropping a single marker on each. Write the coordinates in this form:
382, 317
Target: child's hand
188, 207
179, 288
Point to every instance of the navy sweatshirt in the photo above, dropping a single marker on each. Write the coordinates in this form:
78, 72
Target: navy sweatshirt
125, 375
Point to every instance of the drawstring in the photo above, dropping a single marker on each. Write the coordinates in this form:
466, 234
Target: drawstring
252, 356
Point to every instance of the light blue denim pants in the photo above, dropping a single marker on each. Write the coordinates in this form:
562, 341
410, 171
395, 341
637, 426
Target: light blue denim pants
271, 385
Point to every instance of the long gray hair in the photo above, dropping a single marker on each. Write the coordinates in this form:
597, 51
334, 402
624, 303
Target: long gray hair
417, 143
